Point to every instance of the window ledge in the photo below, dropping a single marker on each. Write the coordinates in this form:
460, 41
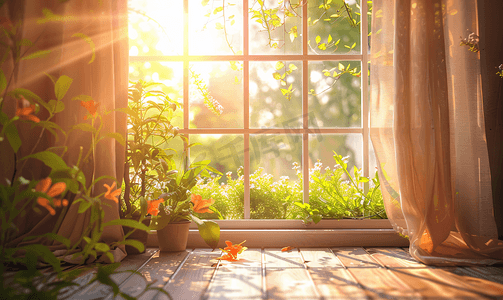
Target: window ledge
375, 233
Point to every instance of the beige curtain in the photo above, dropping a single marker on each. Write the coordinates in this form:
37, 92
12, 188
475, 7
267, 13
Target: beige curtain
103, 76
428, 130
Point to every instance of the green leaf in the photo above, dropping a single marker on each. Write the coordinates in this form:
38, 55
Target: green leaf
45, 254
102, 247
84, 98
50, 159
329, 39
341, 67
128, 223
279, 65
37, 54
62, 85
84, 206
209, 231
3, 82
219, 26
53, 236
85, 127
57, 106
118, 137
90, 42
158, 223
204, 2
318, 39
13, 137
137, 244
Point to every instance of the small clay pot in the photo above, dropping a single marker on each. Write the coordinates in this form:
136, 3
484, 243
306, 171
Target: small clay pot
174, 236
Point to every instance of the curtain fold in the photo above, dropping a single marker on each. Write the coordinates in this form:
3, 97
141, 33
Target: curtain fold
96, 59
427, 129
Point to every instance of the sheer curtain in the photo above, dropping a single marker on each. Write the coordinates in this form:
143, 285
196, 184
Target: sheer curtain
428, 130
102, 74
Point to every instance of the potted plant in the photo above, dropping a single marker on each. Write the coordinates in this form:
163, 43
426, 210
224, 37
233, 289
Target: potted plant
149, 115
173, 211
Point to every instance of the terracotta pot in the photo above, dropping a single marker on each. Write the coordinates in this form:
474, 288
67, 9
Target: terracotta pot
174, 236
138, 235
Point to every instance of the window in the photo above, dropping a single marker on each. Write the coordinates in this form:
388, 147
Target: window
291, 91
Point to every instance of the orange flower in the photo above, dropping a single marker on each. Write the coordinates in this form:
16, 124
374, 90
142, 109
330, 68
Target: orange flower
232, 251
91, 107
200, 205
112, 195
26, 112
43, 187
153, 206
288, 248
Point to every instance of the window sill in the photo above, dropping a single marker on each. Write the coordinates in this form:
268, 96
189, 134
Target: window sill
327, 233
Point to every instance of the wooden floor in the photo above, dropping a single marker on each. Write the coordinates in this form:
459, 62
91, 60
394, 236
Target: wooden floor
307, 273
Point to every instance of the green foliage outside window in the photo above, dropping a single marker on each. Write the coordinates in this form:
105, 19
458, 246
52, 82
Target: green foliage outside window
335, 193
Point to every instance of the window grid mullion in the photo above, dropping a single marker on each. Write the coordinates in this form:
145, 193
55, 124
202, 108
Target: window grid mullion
246, 111
305, 107
186, 76
364, 85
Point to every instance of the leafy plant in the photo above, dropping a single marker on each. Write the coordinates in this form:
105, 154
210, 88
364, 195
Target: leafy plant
174, 204
148, 158
334, 194
20, 196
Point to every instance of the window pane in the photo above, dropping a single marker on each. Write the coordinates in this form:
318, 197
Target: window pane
330, 189
215, 83
167, 73
275, 27
322, 147
226, 154
334, 27
155, 27
275, 163
215, 29
335, 101
269, 107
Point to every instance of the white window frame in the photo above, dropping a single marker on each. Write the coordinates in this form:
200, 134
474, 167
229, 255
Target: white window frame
275, 233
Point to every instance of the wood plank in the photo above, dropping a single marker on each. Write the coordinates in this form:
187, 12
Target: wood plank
286, 276
157, 271
192, 278
355, 257
392, 257
431, 281
241, 279
469, 281
493, 273
332, 280
132, 262
375, 279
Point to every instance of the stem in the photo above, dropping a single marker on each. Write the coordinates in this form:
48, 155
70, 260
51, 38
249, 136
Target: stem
225, 30
14, 173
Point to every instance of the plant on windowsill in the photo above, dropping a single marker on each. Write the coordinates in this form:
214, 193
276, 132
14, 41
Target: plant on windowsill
149, 117
175, 208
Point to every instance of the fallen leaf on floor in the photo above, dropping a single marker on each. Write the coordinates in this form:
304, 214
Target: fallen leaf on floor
232, 251
288, 248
